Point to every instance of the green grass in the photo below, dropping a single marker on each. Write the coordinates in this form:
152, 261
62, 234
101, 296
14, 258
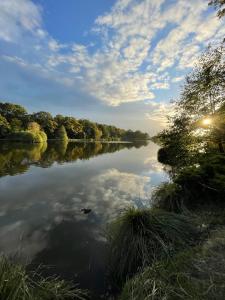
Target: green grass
139, 237
17, 284
167, 196
196, 274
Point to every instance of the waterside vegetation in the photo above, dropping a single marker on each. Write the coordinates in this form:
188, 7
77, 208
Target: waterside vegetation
16, 124
16, 283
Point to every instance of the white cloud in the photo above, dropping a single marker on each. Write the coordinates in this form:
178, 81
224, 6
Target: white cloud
177, 79
133, 60
161, 112
17, 17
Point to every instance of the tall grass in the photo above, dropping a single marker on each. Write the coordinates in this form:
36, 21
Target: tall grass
139, 237
168, 196
196, 274
17, 284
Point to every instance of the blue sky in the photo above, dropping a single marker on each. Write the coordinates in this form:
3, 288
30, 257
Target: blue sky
113, 61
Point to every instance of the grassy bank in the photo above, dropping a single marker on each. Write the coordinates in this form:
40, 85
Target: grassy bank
196, 274
18, 284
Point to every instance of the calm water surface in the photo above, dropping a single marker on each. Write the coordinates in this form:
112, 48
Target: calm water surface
43, 189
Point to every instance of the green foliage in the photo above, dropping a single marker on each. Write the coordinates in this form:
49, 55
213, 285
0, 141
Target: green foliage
202, 97
167, 196
43, 136
17, 284
196, 274
139, 237
46, 121
10, 111
61, 134
73, 127
135, 135
180, 147
16, 125
195, 186
16, 119
205, 183
33, 126
33, 134
4, 127
204, 88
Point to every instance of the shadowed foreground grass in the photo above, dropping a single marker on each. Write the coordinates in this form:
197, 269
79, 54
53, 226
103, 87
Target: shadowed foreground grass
17, 284
139, 237
197, 274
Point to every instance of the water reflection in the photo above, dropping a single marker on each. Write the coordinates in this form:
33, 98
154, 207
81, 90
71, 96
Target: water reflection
40, 208
16, 158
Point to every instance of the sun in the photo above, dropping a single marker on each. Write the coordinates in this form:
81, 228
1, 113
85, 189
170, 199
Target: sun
207, 121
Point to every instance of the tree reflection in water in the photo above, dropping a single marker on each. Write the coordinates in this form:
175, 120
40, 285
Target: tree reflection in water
16, 158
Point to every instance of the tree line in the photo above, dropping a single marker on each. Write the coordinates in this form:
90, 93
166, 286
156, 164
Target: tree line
16, 122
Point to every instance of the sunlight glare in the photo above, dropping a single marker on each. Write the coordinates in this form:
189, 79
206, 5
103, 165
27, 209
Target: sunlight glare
207, 121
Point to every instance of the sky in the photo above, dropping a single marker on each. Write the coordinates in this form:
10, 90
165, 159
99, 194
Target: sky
112, 61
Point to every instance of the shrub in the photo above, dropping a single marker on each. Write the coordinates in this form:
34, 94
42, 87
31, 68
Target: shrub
27, 137
194, 186
205, 183
139, 237
17, 284
196, 274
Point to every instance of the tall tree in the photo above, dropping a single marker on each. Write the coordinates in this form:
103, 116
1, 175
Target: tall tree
204, 89
46, 121
10, 111
61, 134
4, 127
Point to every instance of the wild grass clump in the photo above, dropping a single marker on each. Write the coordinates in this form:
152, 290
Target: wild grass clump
168, 196
197, 274
139, 237
17, 284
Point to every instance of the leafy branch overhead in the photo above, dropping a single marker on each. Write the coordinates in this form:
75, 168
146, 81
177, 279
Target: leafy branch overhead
220, 6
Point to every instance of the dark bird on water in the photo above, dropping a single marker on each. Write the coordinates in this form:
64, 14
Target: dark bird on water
86, 210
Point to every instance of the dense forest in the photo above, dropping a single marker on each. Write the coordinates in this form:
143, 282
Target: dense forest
17, 124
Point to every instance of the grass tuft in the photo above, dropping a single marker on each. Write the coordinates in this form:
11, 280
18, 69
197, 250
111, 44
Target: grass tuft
139, 237
17, 284
197, 274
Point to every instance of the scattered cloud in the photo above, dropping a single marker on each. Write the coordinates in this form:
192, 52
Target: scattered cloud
142, 44
17, 18
177, 79
161, 112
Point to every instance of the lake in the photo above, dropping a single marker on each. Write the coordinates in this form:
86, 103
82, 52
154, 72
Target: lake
43, 189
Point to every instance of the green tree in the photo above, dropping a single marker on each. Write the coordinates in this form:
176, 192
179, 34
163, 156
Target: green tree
46, 121
16, 125
4, 127
73, 127
33, 126
105, 131
61, 134
204, 89
10, 111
